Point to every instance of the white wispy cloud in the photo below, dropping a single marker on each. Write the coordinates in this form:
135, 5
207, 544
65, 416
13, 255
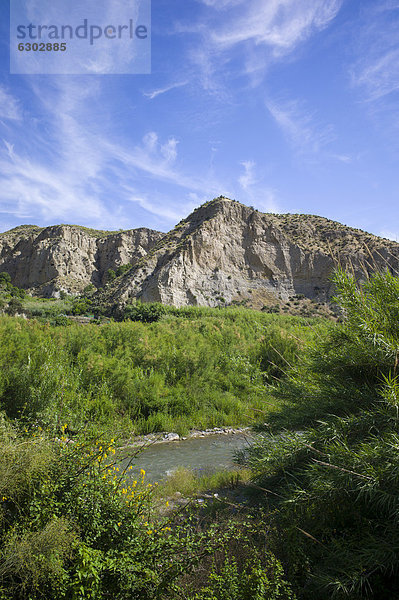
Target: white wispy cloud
53, 176
164, 90
266, 201
33, 190
9, 106
379, 76
280, 24
72, 165
300, 126
154, 164
254, 191
376, 69
344, 158
255, 32
158, 209
247, 179
169, 150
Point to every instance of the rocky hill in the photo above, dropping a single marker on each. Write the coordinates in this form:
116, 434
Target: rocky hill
69, 257
223, 252
226, 252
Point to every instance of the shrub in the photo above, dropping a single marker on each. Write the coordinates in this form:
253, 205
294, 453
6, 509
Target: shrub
144, 312
194, 367
14, 307
241, 569
81, 306
123, 269
72, 527
111, 275
5, 278
61, 320
89, 289
336, 482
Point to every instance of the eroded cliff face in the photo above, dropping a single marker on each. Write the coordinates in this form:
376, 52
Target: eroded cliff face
226, 252
223, 252
67, 257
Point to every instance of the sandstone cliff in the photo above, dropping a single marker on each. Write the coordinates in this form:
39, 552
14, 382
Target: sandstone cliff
223, 252
67, 257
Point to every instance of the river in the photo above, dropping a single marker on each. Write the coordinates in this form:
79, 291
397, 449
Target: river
207, 454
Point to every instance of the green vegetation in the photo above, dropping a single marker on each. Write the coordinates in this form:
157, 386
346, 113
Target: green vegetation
201, 368
26, 229
324, 472
72, 527
334, 486
46, 310
122, 269
146, 313
188, 482
14, 300
111, 275
243, 573
97, 233
7, 290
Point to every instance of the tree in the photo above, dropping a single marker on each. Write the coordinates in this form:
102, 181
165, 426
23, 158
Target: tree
14, 307
145, 312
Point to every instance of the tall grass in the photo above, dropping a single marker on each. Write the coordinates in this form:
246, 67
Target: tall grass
207, 368
336, 482
188, 482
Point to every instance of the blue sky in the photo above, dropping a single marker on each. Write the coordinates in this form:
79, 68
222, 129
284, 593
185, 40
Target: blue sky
286, 105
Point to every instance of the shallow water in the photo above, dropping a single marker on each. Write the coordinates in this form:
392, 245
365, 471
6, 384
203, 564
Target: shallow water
208, 454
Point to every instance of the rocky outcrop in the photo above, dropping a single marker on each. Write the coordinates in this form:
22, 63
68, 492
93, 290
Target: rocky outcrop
67, 257
223, 252
226, 252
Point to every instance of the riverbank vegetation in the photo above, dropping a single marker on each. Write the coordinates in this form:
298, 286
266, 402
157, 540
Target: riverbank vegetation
334, 486
73, 527
202, 368
320, 518
186, 482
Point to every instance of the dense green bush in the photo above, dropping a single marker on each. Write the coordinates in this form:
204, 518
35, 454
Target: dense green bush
8, 291
336, 482
202, 368
61, 320
81, 306
72, 527
14, 307
146, 313
241, 570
